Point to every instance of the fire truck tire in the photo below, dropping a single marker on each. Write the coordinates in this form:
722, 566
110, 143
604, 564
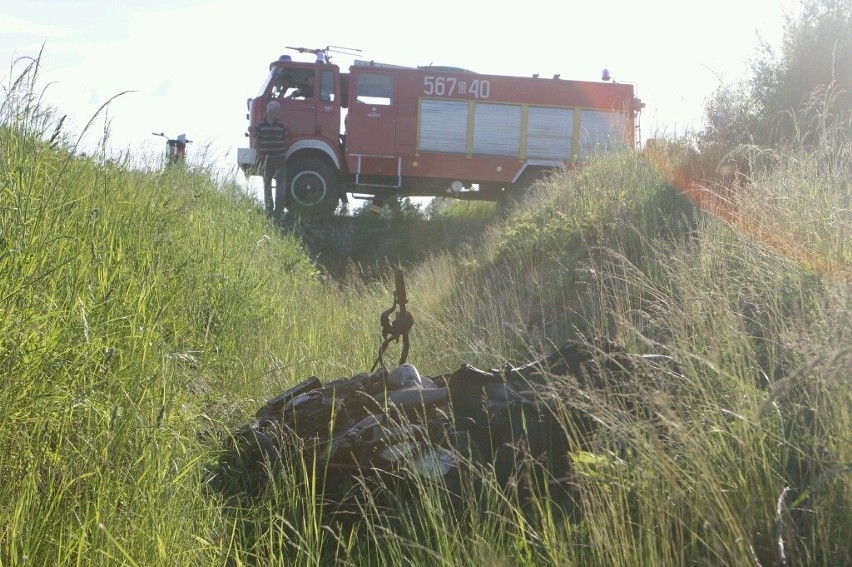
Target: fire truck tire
312, 188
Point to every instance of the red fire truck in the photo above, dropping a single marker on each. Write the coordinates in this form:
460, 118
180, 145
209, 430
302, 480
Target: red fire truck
382, 130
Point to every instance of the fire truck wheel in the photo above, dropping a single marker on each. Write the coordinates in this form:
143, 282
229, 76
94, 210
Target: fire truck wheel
312, 188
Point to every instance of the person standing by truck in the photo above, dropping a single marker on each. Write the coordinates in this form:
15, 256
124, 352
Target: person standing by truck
271, 145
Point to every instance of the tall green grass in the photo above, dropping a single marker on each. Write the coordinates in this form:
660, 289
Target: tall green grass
141, 314
146, 314
756, 460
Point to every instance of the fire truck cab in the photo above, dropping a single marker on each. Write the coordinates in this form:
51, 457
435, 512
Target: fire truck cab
381, 130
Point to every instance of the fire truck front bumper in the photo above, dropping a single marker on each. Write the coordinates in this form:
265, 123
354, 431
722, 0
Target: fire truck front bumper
247, 159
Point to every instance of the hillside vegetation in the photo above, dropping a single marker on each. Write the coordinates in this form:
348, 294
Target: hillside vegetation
144, 315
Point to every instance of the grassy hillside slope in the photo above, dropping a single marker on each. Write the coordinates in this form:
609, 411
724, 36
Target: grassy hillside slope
140, 314
144, 315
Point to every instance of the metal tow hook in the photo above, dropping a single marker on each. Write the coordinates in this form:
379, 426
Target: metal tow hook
401, 325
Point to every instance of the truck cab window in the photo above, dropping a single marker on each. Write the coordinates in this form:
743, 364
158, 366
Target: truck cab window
327, 93
274, 77
294, 84
281, 81
375, 89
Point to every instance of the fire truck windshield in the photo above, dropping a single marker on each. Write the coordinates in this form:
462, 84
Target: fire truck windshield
273, 74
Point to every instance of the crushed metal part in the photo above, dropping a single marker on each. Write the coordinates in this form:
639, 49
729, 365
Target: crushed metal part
399, 423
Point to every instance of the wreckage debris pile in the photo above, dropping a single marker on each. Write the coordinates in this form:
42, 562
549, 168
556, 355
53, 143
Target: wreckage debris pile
378, 422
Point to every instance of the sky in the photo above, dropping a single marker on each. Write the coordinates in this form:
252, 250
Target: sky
188, 66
